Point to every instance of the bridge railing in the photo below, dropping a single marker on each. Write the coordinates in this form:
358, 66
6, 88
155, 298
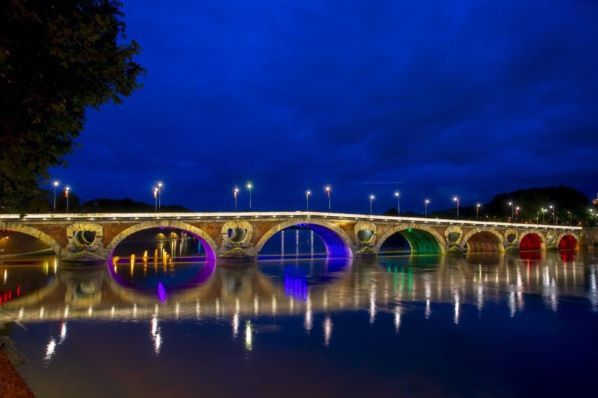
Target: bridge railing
198, 216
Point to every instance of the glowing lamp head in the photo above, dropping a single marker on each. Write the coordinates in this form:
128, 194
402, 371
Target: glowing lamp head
372, 197
478, 205
67, 189
308, 193
160, 184
327, 188
510, 203
235, 190
427, 201
455, 199
249, 186
56, 183
397, 194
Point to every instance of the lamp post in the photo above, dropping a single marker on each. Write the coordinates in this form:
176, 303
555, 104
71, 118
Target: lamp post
235, 196
160, 185
457, 203
55, 184
398, 196
426, 204
543, 211
249, 187
517, 213
551, 207
372, 197
477, 211
512, 211
67, 191
307, 195
155, 193
328, 190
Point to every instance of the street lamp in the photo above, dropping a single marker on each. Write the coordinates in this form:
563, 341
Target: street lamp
512, 214
249, 187
457, 202
328, 190
543, 210
155, 193
477, 211
551, 207
307, 195
372, 197
55, 184
398, 196
235, 196
426, 203
517, 213
67, 191
158, 195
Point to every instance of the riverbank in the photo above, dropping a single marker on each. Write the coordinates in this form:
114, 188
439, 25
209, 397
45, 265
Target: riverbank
11, 383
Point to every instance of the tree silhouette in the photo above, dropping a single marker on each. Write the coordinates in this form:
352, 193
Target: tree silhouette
57, 59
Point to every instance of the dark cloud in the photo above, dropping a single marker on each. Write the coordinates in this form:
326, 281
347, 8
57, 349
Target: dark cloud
460, 97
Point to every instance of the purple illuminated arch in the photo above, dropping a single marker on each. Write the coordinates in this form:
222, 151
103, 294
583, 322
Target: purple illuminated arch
202, 275
208, 249
336, 247
334, 242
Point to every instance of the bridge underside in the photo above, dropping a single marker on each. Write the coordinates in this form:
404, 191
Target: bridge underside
418, 242
484, 242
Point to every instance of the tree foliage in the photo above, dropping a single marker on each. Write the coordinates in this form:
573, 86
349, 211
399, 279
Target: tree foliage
57, 59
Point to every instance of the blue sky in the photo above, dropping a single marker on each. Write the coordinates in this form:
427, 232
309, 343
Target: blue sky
432, 98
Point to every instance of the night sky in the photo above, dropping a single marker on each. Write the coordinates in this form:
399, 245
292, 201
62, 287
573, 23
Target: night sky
433, 98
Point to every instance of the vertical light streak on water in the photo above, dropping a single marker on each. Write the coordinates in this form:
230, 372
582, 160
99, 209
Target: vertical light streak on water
235, 325
457, 308
248, 336
372, 310
308, 321
327, 330
397, 318
62, 333
50, 350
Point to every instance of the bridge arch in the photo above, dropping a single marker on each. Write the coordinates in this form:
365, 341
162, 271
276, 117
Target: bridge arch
532, 241
42, 236
336, 241
567, 241
421, 239
480, 240
206, 240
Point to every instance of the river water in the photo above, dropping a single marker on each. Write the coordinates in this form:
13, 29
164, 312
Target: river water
418, 326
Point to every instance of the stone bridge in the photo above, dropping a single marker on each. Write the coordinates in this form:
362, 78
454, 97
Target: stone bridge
94, 237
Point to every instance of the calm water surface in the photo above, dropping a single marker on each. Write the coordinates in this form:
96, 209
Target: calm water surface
485, 326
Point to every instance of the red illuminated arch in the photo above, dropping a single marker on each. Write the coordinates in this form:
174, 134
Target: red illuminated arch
568, 242
530, 242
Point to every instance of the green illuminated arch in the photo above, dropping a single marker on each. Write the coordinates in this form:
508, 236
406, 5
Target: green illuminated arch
422, 240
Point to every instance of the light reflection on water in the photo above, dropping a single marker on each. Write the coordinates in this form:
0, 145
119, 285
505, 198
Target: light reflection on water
368, 310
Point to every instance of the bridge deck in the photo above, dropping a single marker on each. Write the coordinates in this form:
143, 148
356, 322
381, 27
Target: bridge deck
203, 216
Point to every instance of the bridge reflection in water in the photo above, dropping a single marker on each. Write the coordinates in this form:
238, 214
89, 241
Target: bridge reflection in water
154, 291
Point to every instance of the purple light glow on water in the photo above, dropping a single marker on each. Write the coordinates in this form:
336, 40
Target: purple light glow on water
295, 286
161, 292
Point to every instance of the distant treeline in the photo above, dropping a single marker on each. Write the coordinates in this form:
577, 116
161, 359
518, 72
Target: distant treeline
44, 204
570, 207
